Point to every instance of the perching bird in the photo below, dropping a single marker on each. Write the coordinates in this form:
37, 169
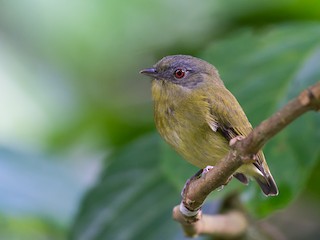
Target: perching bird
197, 115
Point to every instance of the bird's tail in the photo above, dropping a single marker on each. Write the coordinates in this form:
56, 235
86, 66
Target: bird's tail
263, 176
267, 184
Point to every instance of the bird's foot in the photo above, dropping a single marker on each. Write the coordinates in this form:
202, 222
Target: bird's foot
250, 158
235, 139
201, 173
206, 170
228, 180
186, 185
225, 184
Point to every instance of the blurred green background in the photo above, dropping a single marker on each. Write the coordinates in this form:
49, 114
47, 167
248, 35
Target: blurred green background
79, 155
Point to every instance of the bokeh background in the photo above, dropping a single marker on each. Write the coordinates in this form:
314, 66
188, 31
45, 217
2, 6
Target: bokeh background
79, 155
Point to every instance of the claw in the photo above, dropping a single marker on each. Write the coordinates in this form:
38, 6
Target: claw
185, 187
225, 184
206, 170
199, 174
252, 158
235, 139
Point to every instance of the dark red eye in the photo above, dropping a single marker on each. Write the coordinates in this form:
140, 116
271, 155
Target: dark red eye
179, 73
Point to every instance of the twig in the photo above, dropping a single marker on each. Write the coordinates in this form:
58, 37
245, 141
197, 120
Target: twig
229, 225
198, 189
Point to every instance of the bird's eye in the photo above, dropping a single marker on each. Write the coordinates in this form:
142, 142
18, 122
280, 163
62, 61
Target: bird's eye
179, 73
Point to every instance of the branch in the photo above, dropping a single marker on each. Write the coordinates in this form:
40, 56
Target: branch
241, 151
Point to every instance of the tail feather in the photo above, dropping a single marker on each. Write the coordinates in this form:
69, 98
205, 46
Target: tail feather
241, 177
264, 177
267, 185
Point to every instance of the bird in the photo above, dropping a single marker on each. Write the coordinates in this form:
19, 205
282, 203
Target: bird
198, 116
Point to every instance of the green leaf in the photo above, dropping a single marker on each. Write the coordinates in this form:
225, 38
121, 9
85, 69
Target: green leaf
137, 191
133, 196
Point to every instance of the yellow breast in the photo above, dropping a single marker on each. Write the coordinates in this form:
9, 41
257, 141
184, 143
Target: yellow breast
180, 117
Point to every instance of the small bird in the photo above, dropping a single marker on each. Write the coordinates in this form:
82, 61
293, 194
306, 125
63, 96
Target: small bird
197, 115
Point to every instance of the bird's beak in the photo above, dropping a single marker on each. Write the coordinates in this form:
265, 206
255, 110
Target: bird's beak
151, 72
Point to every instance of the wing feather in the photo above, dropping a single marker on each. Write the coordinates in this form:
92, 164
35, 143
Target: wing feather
227, 117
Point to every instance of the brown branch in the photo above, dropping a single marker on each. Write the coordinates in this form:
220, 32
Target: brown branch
199, 188
308, 99
228, 225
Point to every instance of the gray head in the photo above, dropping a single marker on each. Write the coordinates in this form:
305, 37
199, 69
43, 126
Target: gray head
183, 70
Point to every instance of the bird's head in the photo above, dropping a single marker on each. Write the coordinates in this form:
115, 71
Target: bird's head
183, 70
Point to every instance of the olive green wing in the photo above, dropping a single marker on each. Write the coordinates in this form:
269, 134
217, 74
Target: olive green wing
226, 115
227, 118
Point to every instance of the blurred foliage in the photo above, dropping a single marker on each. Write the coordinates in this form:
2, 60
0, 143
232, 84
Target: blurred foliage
40, 193
29, 228
133, 181
71, 93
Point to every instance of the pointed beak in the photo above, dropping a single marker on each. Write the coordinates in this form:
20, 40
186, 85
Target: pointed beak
151, 72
